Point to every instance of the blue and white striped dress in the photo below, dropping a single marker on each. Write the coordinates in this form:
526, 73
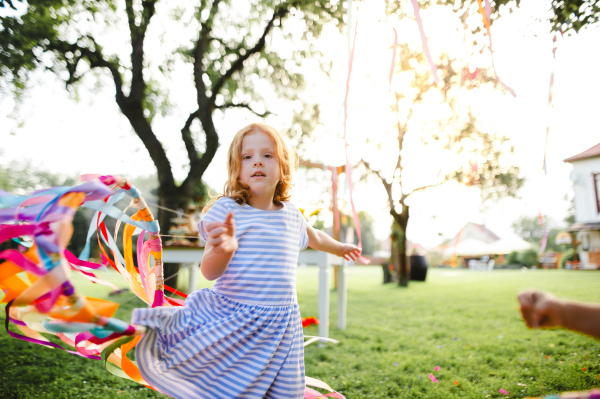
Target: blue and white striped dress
242, 338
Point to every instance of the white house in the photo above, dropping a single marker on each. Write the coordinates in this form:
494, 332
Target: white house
586, 182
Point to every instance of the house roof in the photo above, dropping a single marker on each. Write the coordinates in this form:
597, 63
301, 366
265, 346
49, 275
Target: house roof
476, 231
584, 226
589, 153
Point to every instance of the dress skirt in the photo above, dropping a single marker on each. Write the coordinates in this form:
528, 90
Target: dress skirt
218, 348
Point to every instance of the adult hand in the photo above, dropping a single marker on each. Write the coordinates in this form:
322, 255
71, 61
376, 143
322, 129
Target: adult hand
541, 309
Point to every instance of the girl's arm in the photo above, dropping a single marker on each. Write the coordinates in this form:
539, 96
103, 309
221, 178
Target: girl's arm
321, 241
541, 309
219, 249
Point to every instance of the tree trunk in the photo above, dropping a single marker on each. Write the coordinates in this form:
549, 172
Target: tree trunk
170, 198
403, 270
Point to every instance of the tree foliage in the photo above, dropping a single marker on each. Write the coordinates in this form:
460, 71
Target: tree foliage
574, 14
229, 54
233, 51
564, 16
450, 134
531, 230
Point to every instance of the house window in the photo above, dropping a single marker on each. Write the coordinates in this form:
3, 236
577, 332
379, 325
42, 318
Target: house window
597, 190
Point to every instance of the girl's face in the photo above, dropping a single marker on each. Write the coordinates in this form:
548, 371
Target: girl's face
259, 164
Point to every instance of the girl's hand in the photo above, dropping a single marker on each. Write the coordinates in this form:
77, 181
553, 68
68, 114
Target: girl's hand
221, 236
349, 252
540, 309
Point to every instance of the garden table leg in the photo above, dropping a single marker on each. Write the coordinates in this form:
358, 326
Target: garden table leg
323, 302
342, 294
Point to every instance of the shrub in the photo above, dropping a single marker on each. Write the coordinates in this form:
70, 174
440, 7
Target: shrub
529, 257
513, 258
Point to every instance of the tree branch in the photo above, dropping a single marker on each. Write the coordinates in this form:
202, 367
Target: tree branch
138, 34
94, 57
386, 184
10, 4
201, 48
279, 13
247, 106
187, 137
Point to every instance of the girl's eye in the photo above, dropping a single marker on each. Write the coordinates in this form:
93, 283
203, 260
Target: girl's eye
246, 157
268, 156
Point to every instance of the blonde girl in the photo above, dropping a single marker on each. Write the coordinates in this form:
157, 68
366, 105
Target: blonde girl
242, 338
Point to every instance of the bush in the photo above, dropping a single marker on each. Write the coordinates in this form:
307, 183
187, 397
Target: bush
513, 258
529, 257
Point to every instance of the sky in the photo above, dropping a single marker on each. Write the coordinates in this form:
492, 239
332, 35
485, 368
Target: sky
59, 134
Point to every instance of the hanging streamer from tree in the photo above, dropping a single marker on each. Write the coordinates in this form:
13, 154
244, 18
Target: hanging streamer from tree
486, 13
432, 65
544, 166
348, 165
393, 64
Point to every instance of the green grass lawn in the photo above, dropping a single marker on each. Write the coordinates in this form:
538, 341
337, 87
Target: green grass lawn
467, 323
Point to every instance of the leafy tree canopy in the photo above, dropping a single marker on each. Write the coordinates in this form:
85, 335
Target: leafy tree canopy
531, 230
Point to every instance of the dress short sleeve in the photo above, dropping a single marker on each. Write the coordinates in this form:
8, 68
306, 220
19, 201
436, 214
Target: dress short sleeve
216, 213
303, 229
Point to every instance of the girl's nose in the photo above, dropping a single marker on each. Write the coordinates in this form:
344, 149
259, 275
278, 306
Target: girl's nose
258, 162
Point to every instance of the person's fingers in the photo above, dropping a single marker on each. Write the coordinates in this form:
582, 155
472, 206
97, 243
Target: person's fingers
229, 218
526, 307
212, 225
526, 298
225, 246
214, 241
217, 231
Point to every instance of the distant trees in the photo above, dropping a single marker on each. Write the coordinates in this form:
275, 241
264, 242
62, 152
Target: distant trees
531, 230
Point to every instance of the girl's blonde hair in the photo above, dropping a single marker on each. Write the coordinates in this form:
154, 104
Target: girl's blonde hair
238, 191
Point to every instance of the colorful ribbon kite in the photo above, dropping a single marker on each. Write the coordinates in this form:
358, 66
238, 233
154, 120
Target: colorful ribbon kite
36, 282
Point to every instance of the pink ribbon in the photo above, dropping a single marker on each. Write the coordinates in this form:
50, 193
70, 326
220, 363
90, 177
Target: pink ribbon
393, 66
21, 261
432, 65
334, 190
348, 166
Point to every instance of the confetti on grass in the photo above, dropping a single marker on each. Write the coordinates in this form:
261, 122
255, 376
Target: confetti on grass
455, 382
502, 391
584, 369
432, 377
437, 368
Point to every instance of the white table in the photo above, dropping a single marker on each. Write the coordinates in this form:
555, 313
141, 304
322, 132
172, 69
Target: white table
324, 260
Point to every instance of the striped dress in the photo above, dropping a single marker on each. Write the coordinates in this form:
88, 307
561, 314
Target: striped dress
242, 338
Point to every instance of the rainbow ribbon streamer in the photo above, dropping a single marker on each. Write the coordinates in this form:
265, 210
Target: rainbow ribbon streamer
39, 296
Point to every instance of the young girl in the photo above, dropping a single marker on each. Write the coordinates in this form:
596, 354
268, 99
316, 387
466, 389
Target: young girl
242, 338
